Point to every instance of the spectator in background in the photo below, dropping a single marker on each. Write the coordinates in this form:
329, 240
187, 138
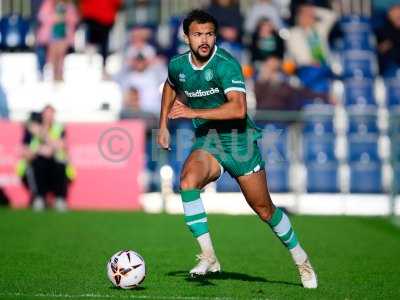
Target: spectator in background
227, 13
273, 91
142, 13
295, 4
389, 43
379, 11
176, 39
262, 9
229, 40
146, 74
131, 109
139, 40
4, 112
58, 20
308, 46
44, 167
266, 42
99, 17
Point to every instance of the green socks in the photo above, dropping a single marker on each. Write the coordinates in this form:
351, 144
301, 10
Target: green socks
195, 215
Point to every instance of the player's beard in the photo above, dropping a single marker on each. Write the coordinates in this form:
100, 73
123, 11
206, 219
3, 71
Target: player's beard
198, 56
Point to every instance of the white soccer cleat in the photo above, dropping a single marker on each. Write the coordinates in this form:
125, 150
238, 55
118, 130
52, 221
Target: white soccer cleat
206, 264
38, 204
60, 205
307, 275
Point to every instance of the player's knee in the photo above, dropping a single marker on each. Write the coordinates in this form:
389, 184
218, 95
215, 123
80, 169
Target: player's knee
264, 213
188, 182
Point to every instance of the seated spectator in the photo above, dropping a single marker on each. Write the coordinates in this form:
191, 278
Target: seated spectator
99, 17
389, 43
131, 109
266, 42
228, 40
308, 46
273, 92
58, 20
227, 13
295, 4
139, 40
4, 112
176, 39
142, 13
146, 74
43, 167
262, 9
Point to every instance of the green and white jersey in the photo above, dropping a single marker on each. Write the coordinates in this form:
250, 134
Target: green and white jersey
207, 86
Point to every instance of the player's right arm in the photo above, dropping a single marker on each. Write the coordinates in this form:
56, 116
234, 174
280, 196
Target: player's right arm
167, 100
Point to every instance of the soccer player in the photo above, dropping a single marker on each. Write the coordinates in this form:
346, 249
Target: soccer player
225, 139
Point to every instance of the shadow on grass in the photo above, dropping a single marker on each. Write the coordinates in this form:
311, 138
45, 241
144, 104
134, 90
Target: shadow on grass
139, 288
205, 280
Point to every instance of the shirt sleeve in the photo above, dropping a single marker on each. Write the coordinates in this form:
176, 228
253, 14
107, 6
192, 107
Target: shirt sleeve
171, 75
231, 77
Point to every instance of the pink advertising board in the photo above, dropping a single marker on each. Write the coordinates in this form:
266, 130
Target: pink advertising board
108, 159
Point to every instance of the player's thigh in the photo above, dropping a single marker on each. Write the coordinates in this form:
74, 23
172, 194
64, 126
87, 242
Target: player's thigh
199, 169
255, 190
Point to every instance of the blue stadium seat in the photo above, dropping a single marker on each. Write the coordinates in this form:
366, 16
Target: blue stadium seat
322, 177
318, 119
365, 177
362, 121
316, 78
227, 184
357, 41
396, 177
359, 91
278, 176
274, 142
357, 36
359, 63
363, 148
393, 92
318, 148
394, 122
357, 33
354, 20
274, 149
395, 148
14, 30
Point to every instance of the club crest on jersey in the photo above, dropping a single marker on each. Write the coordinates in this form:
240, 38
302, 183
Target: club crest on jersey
182, 77
208, 75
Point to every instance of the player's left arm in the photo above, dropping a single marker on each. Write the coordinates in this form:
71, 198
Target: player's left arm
234, 108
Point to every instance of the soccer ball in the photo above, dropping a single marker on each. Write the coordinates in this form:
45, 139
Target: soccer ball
126, 269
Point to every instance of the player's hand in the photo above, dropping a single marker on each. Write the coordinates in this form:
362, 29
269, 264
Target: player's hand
163, 139
180, 110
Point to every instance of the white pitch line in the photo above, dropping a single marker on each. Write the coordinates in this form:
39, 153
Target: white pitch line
97, 296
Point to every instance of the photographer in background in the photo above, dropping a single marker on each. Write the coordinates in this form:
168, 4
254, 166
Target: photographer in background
43, 167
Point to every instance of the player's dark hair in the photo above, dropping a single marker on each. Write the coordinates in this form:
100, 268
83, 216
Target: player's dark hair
201, 17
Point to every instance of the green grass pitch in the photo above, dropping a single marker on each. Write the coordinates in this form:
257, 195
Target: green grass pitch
63, 256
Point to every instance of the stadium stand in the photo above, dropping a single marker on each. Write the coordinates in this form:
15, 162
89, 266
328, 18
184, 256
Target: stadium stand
354, 121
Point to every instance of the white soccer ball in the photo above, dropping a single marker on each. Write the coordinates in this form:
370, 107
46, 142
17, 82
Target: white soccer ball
126, 269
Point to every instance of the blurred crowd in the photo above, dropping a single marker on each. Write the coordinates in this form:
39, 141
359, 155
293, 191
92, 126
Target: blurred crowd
289, 52
286, 52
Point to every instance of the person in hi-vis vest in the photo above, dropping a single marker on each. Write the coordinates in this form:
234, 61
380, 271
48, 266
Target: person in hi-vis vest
44, 167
